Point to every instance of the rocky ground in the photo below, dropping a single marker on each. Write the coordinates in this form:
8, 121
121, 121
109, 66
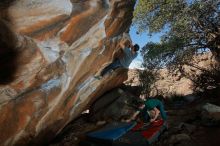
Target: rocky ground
191, 123
74, 132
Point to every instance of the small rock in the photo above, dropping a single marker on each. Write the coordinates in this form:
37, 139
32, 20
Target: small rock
75, 138
189, 127
190, 98
211, 108
210, 114
100, 123
178, 138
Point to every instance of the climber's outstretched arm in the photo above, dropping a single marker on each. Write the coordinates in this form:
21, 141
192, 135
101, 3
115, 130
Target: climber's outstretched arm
125, 44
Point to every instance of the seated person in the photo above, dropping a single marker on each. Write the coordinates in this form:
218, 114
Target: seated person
150, 110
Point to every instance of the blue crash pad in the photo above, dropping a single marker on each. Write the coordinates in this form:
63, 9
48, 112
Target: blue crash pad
112, 131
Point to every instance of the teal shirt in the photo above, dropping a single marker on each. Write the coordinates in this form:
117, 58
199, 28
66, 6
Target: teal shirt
151, 103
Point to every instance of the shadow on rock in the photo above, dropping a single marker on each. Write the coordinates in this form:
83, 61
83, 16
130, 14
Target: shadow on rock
8, 53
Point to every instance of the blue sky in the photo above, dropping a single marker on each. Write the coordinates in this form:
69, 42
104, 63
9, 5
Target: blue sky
141, 40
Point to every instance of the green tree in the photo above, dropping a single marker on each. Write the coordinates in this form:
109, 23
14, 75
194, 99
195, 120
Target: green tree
188, 26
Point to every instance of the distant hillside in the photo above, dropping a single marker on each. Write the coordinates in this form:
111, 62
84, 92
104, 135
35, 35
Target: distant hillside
174, 82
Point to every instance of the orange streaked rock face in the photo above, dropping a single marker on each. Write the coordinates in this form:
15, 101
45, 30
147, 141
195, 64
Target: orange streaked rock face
49, 54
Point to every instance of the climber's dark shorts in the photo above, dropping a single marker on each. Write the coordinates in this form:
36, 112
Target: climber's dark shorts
144, 116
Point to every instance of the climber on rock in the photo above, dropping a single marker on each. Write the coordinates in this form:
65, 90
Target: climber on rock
149, 110
124, 56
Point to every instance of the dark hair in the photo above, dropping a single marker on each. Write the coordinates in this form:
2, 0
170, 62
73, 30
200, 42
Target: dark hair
136, 47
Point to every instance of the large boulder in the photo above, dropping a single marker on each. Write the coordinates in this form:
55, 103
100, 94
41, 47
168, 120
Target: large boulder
50, 52
210, 114
114, 105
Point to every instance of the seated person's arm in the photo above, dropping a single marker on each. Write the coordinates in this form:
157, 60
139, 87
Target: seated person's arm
136, 113
157, 112
133, 116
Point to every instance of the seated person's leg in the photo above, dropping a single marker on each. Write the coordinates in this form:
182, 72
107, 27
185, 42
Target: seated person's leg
152, 114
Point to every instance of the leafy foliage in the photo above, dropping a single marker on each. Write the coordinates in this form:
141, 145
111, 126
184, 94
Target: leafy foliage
187, 26
190, 27
208, 80
147, 79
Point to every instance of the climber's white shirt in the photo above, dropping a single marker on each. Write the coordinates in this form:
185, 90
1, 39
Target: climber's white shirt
127, 58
